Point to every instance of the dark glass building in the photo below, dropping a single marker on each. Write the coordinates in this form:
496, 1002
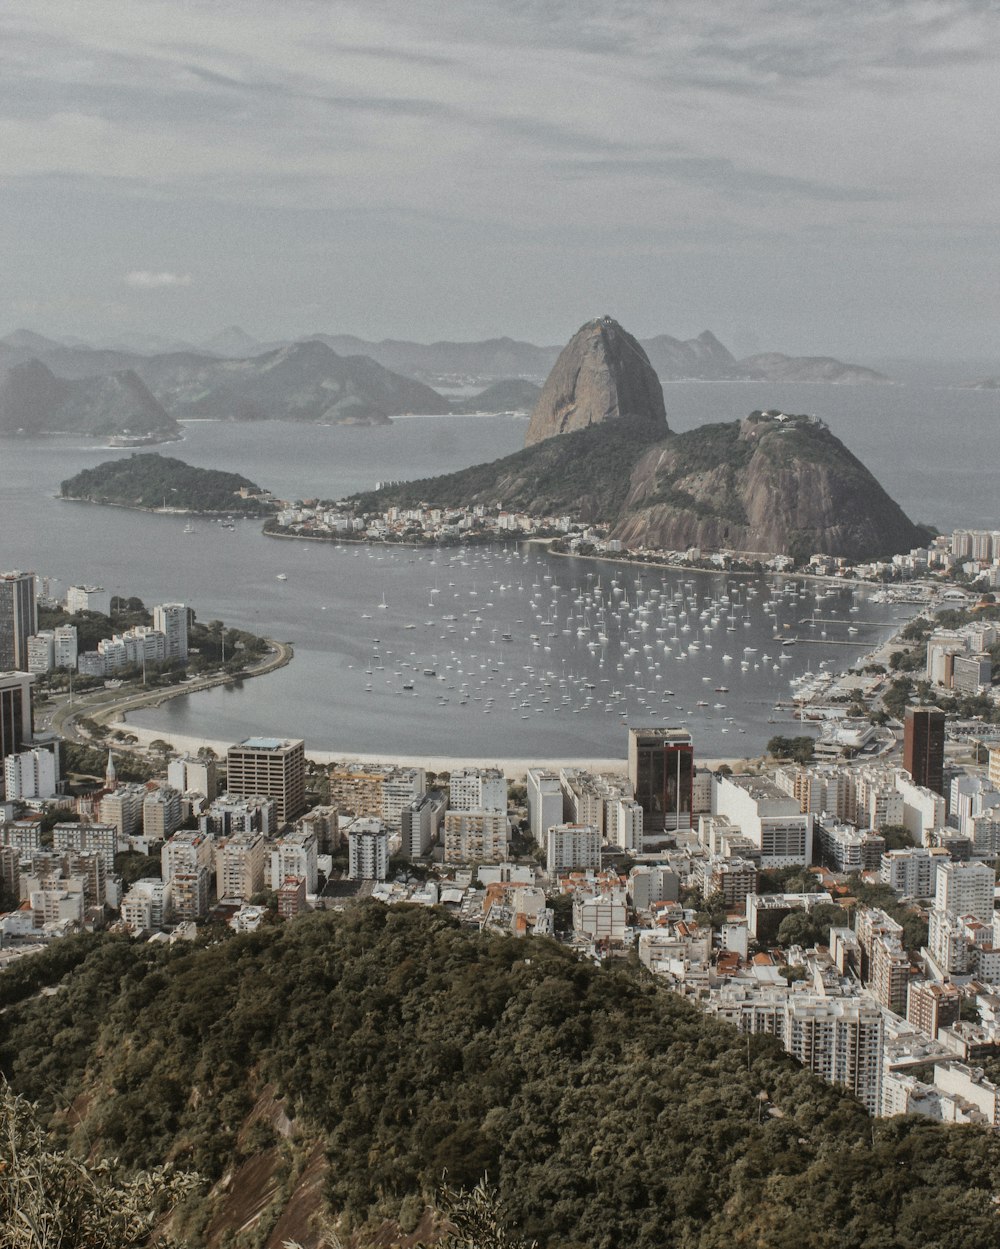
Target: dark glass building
923, 746
661, 769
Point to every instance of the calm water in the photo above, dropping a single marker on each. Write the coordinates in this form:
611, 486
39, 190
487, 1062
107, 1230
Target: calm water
344, 691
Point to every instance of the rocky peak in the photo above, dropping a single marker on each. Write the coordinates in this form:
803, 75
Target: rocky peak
602, 374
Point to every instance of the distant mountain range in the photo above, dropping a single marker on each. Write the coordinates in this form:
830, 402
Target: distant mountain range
138, 386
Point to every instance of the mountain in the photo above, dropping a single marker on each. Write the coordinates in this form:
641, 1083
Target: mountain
602, 374
512, 394
305, 381
701, 357
232, 342
34, 401
770, 483
338, 1065
437, 362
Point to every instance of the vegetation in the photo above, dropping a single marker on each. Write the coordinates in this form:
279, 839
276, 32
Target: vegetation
50, 1199
585, 472
799, 749
605, 1110
151, 480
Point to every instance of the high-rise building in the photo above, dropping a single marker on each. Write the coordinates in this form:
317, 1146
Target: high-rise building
41, 652
661, 769
15, 712
923, 746
88, 598
475, 836
965, 889
545, 802
268, 767
368, 850
420, 824
171, 619
240, 864
18, 619
65, 646
30, 774
840, 1039
477, 789
571, 847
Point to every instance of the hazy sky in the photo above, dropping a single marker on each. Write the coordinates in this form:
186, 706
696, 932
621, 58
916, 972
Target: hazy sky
808, 176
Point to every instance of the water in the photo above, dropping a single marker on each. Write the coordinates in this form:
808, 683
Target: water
926, 447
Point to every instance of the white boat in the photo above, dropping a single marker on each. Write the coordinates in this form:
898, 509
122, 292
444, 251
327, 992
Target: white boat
281, 577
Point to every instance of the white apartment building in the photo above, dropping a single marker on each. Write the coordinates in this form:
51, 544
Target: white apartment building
772, 820
475, 836
840, 1039
295, 855
477, 789
912, 871
88, 598
65, 647
623, 825
30, 774
101, 839
186, 852
545, 802
368, 849
965, 889
399, 790
145, 905
190, 775
171, 619
123, 808
601, 917
41, 652
572, 847
923, 809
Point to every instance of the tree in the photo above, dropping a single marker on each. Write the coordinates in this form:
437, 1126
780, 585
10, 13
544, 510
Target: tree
51, 1200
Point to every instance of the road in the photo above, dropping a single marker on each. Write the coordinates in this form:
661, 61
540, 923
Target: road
105, 705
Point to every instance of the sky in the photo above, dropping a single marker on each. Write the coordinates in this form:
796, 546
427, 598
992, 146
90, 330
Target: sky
811, 176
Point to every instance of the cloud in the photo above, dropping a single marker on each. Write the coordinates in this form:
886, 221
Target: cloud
147, 280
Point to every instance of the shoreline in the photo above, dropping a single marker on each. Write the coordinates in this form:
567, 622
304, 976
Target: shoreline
161, 511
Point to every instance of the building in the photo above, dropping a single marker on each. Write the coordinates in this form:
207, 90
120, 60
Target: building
844, 848
240, 863
18, 619
145, 905
477, 789
931, 1004
295, 855
171, 619
965, 889
623, 825
270, 768
192, 775
923, 746
291, 897
572, 847
161, 813
912, 871
475, 836
771, 819
65, 646
41, 652
123, 809
15, 712
545, 802
972, 674
924, 809
186, 853
839, 1039
368, 849
403, 787
661, 772
190, 893
100, 839
31, 774
88, 598
420, 824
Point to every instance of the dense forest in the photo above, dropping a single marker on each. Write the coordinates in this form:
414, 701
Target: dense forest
151, 480
378, 1050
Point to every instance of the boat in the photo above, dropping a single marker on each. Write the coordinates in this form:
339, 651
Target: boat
281, 576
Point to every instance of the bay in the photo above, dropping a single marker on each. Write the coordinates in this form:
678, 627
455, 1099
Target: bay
926, 446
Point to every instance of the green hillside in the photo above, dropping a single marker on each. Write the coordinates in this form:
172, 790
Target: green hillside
151, 480
387, 1047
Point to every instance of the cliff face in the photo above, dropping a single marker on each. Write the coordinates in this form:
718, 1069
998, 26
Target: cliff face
769, 484
34, 401
602, 374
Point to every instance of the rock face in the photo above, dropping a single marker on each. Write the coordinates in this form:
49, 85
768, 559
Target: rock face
703, 357
602, 374
771, 483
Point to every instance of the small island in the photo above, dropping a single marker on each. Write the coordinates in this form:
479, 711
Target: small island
157, 483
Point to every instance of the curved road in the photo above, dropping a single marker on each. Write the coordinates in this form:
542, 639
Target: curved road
105, 705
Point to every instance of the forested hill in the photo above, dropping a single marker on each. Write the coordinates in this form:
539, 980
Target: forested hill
159, 481
349, 1061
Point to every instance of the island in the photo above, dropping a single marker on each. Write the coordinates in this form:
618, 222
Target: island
158, 483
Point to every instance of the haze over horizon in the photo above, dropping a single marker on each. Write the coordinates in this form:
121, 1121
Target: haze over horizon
809, 180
